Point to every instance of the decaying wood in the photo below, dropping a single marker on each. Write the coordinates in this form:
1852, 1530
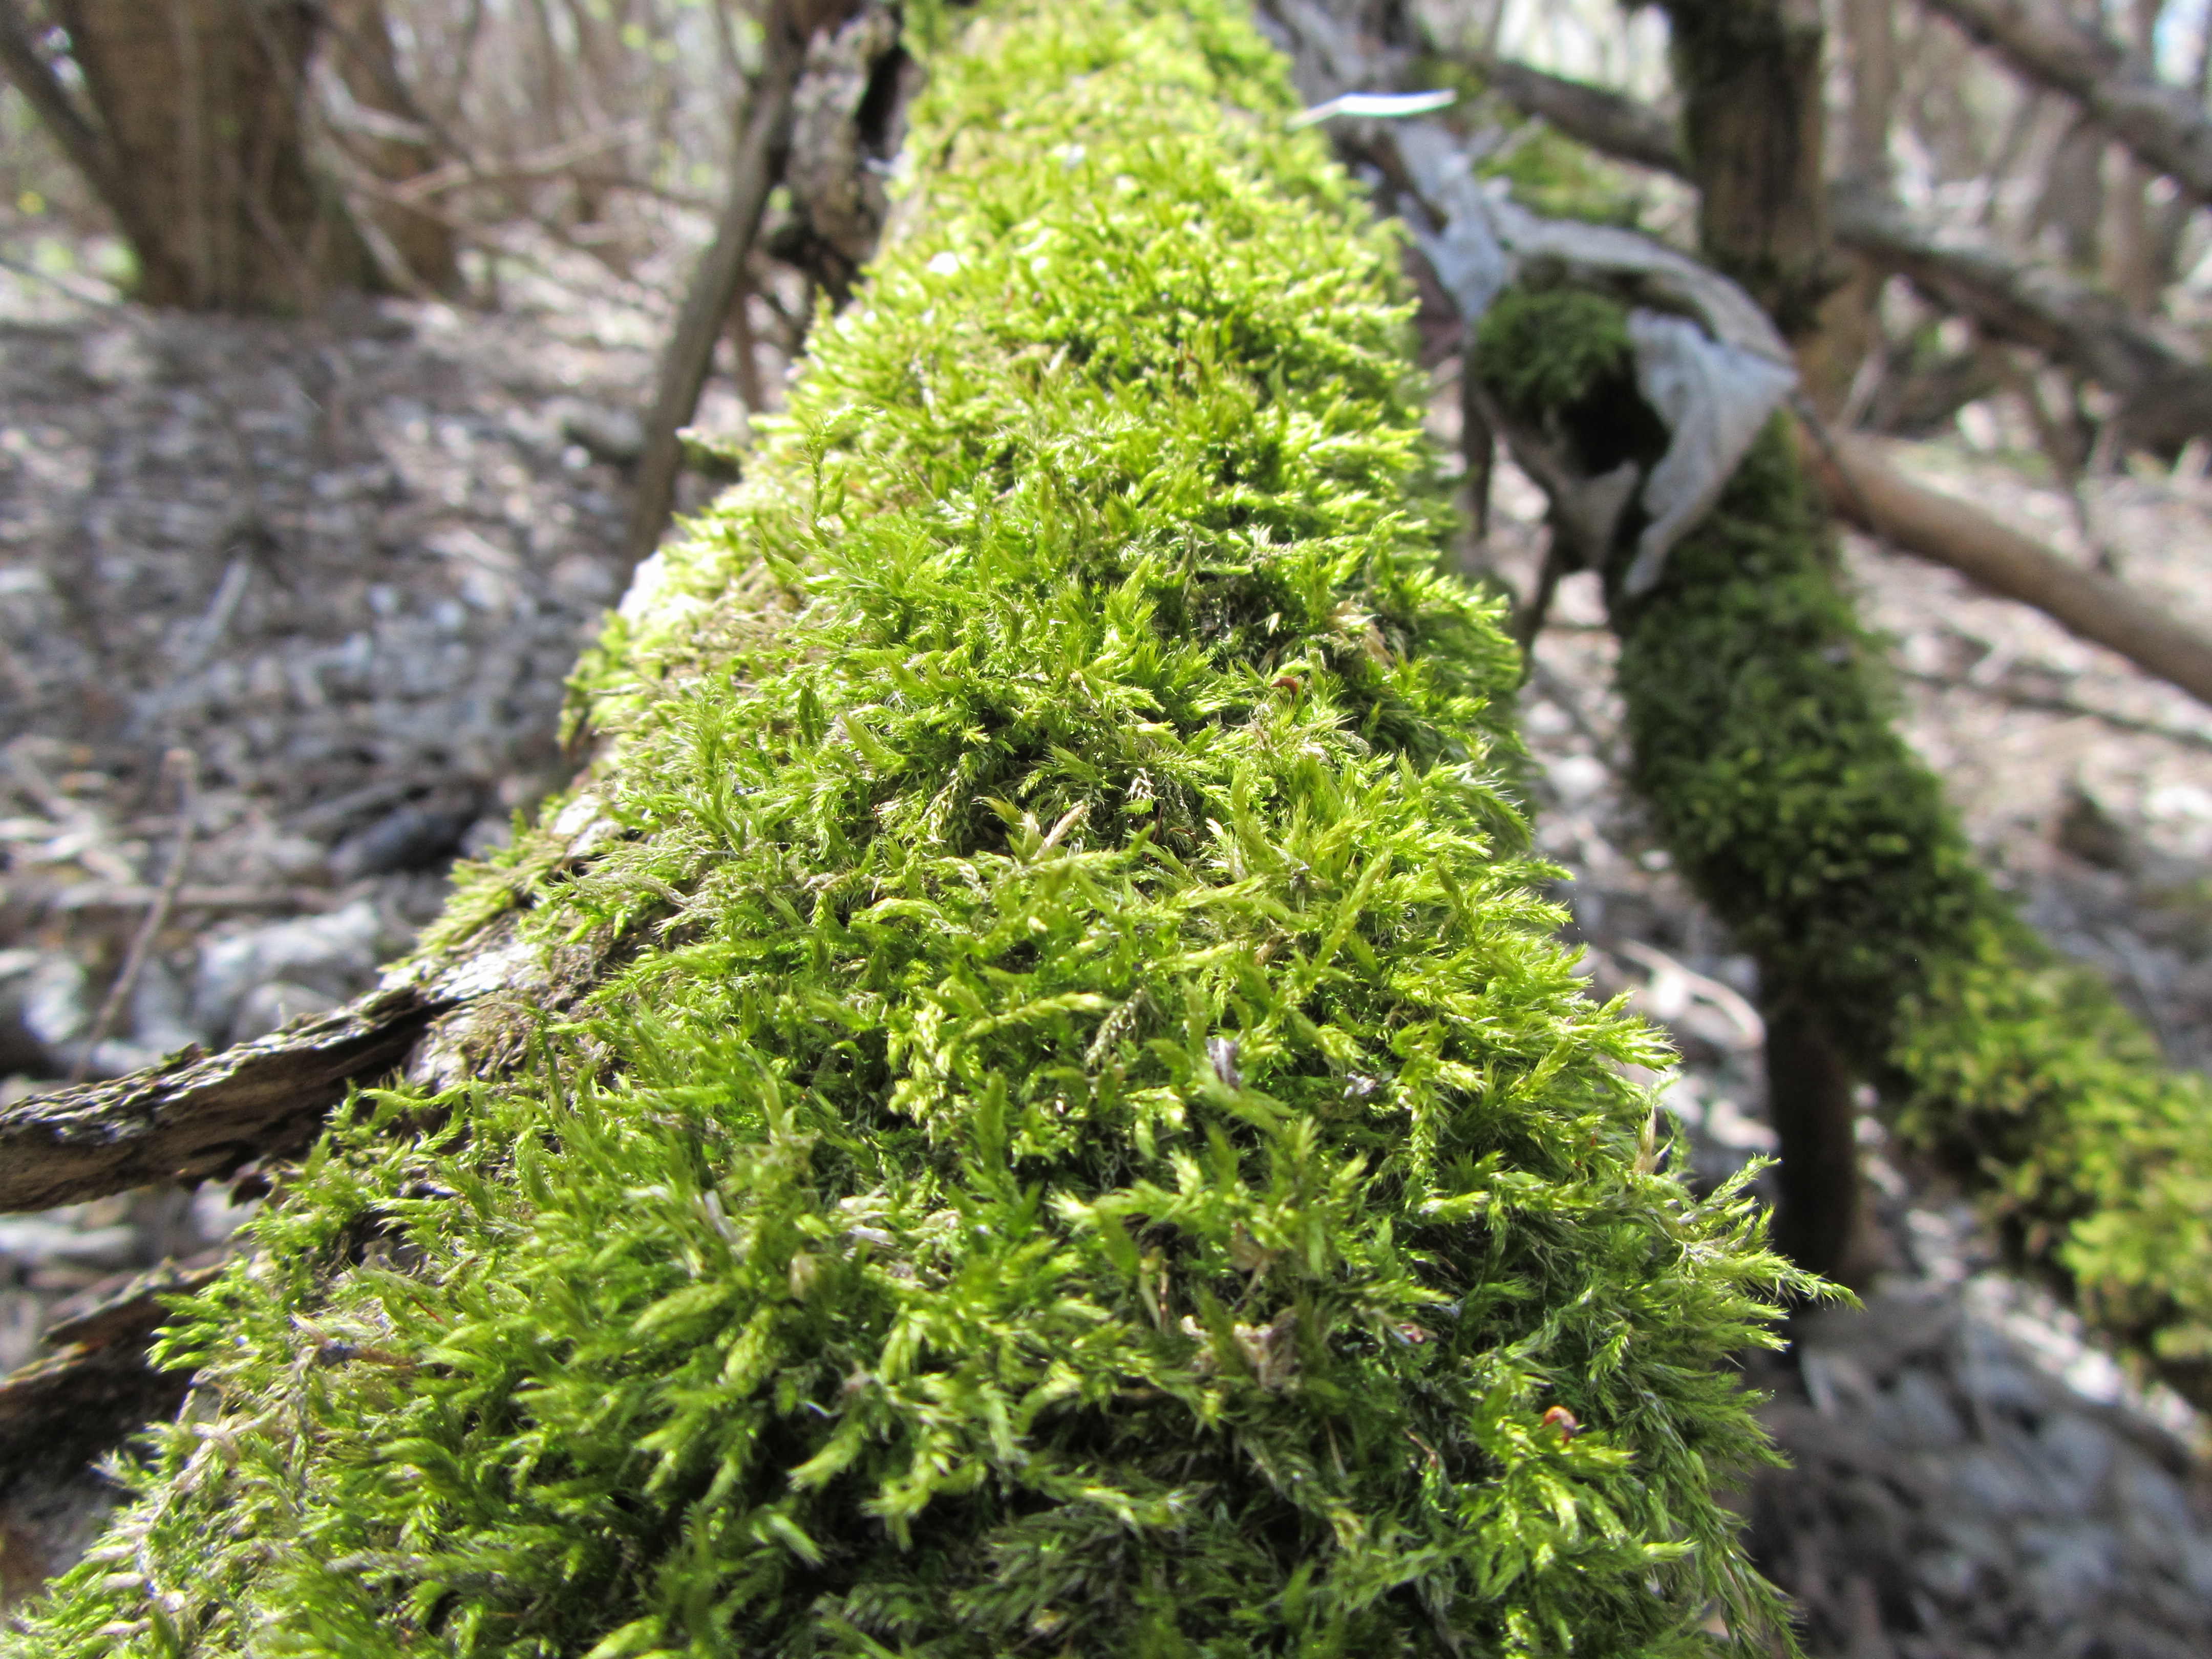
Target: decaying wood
200, 1115
1864, 487
61, 1415
2166, 399
2166, 127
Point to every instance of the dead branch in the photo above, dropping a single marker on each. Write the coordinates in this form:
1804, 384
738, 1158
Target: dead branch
690, 352
1606, 120
2165, 398
2166, 127
1864, 488
196, 1117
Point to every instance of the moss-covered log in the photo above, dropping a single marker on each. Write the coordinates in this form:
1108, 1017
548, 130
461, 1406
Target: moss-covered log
1079, 1138
1764, 741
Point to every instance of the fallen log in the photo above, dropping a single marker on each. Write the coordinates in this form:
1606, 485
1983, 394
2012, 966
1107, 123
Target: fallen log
1864, 487
916, 1149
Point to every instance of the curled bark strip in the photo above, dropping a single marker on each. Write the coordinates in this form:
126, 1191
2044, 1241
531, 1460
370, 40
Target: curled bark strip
1865, 489
200, 1115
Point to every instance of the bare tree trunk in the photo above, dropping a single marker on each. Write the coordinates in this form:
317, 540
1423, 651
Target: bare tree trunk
196, 139
1870, 42
1751, 117
1849, 329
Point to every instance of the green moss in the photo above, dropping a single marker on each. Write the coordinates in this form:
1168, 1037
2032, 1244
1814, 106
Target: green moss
1545, 352
1762, 735
1084, 1142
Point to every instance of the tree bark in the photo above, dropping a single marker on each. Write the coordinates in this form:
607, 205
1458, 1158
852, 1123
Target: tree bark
1752, 126
196, 139
1821, 1221
1753, 112
1870, 40
1604, 119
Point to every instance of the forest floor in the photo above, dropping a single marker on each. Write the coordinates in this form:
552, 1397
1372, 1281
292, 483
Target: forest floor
285, 613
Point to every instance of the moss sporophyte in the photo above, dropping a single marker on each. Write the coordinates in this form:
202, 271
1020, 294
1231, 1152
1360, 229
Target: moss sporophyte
1081, 1139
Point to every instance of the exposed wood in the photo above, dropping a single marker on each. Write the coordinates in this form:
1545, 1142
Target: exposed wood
2164, 126
849, 114
1872, 493
714, 284
199, 1115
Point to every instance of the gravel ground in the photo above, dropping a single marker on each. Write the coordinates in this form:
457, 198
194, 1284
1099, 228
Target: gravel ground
284, 616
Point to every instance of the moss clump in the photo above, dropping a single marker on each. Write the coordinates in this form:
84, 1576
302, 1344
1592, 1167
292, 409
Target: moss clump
1548, 353
1090, 1148
1763, 740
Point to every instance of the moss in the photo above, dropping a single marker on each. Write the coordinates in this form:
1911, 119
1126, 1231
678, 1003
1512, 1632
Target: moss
1548, 353
1086, 1143
1762, 729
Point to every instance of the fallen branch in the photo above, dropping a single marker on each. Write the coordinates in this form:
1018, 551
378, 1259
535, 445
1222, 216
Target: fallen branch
2165, 398
1606, 120
2166, 127
1864, 488
690, 352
